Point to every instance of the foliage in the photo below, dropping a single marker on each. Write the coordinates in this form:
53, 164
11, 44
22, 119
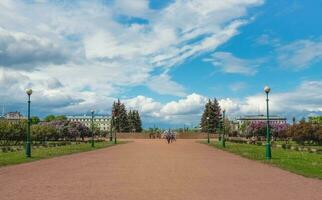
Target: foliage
134, 120
123, 121
35, 120
211, 116
12, 133
50, 118
258, 128
316, 119
306, 132
119, 117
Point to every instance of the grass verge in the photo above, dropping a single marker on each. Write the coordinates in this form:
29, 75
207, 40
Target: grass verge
12, 158
303, 163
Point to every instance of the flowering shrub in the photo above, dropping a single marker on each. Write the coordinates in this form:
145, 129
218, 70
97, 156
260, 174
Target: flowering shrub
258, 128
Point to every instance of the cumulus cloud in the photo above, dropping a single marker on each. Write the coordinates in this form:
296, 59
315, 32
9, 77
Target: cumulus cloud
20, 50
301, 102
83, 53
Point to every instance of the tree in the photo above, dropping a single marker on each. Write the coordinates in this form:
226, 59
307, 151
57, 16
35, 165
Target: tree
306, 132
119, 117
49, 118
131, 120
316, 119
213, 112
138, 122
35, 120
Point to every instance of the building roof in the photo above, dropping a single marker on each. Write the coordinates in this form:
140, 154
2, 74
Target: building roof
14, 115
261, 117
87, 117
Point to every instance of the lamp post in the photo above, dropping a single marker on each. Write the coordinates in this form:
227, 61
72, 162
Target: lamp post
268, 134
115, 140
111, 129
208, 130
223, 142
28, 142
92, 111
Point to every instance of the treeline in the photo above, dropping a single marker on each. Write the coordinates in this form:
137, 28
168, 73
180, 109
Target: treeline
123, 121
304, 132
55, 130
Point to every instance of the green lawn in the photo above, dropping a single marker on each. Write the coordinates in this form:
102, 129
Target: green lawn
303, 163
17, 157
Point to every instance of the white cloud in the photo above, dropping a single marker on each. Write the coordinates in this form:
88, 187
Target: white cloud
88, 55
302, 101
300, 54
163, 84
228, 63
21, 50
138, 8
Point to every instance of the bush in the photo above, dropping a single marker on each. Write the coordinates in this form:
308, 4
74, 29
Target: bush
306, 133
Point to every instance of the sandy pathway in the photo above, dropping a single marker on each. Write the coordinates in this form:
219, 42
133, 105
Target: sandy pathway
152, 169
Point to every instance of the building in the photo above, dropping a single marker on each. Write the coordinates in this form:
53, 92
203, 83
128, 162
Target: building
14, 116
103, 122
273, 119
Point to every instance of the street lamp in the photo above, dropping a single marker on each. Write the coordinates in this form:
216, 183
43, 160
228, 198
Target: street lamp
268, 135
223, 142
111, 129
28, 143
92, 111
208, 130
115, 140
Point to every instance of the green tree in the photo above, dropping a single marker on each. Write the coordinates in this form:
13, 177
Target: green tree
119, 117
138, 122
49, 118
131, 120
35, 120
211, 116
316, 119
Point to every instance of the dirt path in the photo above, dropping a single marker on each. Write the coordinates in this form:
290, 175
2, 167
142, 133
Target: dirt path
152, 169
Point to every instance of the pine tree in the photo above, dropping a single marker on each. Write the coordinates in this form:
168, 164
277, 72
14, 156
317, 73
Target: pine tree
138, 122
115, 115
213, 112
124, 124
131, 120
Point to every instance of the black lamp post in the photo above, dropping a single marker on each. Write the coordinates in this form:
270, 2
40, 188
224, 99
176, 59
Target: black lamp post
111, 129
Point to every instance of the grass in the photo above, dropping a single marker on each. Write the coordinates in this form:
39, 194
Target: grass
17, 157
303, 163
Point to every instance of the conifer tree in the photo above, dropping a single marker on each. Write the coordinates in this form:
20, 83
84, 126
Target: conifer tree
119, 117
138, 122
213, 112
131, 120
124, 124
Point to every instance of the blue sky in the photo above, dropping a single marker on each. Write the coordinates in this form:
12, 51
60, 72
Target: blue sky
164, 58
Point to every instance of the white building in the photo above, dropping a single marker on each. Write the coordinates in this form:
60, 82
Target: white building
273, 119
103, 122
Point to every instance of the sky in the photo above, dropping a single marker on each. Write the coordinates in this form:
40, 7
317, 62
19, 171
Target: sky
165, 58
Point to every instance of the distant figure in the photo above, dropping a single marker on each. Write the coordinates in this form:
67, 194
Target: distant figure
170, 136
